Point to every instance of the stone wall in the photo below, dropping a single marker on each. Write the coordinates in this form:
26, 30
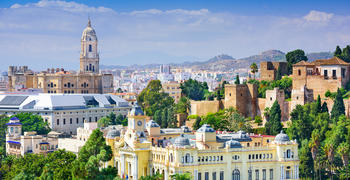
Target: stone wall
202, 108
268, 70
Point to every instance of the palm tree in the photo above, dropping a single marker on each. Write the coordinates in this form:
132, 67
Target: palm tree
156, 176
329, 152
185, 176
344, 150
314, 145
254, 68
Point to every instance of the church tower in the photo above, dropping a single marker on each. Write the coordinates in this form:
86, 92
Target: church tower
89, 57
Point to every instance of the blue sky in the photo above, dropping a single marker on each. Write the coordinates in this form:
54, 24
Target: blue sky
47, 33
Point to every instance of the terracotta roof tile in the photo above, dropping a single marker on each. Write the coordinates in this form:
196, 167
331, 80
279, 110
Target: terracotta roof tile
331, 61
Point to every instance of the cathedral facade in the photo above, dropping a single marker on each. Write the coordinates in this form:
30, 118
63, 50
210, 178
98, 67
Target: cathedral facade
87, 80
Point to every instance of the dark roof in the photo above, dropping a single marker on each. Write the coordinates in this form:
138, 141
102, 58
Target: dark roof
44, 143
13, 124
110, 100
15, 142
90, 101
13, 100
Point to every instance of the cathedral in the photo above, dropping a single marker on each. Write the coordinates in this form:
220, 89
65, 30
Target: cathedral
88, 79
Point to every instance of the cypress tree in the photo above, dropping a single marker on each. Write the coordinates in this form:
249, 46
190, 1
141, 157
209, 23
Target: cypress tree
196, 124
278, 74
338, 107
324, 107
274, 126
237, 79
345, 55
164, 118
318, 104
337, 52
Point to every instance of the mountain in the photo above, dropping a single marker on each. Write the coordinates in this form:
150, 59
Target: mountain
226, 63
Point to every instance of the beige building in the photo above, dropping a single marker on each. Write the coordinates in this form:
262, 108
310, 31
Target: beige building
30, 142
89, 79
173, 89
268, 70
205, 154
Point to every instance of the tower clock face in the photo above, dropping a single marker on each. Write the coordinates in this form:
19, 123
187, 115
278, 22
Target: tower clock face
139, 123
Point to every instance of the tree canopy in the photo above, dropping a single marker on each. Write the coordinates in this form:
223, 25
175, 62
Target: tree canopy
152, 98
273, 125
294, 57
194, 89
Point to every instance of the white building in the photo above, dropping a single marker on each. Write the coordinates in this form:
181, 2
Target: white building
64, 112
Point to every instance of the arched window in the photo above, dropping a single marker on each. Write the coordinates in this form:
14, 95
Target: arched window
93, 68
89, 67
187, 158
90, 48
235, 174
171, 157
288, 153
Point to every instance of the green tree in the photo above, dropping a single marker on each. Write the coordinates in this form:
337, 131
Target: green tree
32, 122
337, 52
306, 163
338, 107
171, 119
104, 122
254, 68
152, 98
164, 116
278, 74
156, 176
197, 123
345, 55
158, 117
344, 150
273, 126
112, 116
194, 89
324, 107
294, 57
92, 154
301, 123
119, 119
185, 176
183, 105
235, 121
237, 79
318, 104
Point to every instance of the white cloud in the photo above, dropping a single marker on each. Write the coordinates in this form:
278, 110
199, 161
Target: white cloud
318, 16
47, 33
63, 5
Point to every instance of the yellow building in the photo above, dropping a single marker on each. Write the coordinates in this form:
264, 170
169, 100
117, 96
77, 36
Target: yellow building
173, 89
142, 150
89, 79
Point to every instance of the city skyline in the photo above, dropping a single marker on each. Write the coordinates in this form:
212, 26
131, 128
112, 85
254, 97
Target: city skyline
46, 33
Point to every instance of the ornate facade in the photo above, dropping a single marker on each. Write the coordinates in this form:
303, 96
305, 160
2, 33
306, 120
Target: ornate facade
144, 149
88, 79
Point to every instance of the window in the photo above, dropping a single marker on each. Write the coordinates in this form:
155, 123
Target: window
214, 176
64, 121
77, 120
264, 174
287, 174
250, 174
325, 73
299, 72
342, 72
58, 122
257, 174
206, 176
236, 174
199, 176
187, 158
222, 158
221, 175
71, 120
288, 153
90, 48
334, 74
271, 174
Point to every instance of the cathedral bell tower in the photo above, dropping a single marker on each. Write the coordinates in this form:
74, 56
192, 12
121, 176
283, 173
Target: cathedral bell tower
89, 57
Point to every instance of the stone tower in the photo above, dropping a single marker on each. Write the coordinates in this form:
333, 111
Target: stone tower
89, 57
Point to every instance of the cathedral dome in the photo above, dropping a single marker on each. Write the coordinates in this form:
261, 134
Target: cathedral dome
113, 133
182, 141
89, 33
152, 124
206, 128
282, 137
233, 144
